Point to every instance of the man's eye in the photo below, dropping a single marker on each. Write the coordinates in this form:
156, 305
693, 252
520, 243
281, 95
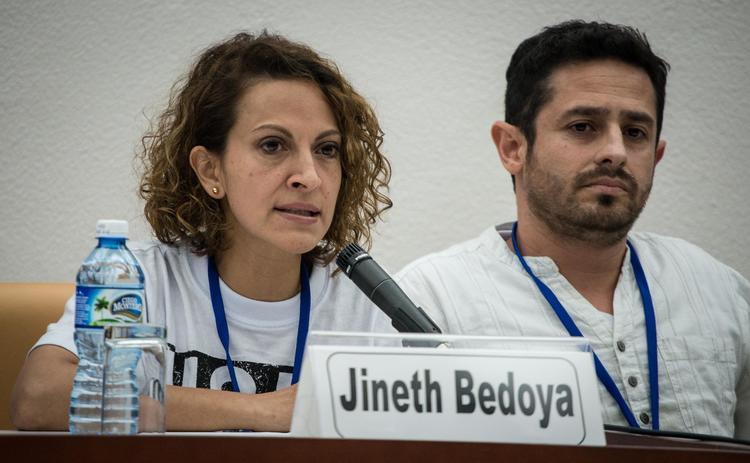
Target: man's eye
271, 146
634, 132
329, 150
581, 127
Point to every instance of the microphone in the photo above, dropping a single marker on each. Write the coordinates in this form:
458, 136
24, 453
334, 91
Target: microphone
405, 316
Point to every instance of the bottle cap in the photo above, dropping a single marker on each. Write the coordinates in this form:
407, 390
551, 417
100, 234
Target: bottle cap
112, 229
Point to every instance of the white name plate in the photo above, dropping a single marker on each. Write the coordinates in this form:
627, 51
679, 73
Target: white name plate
461, 394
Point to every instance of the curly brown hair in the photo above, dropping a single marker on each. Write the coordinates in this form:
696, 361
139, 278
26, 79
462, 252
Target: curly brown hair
201, 111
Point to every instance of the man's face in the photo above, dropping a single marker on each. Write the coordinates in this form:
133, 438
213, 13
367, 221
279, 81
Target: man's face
591, 167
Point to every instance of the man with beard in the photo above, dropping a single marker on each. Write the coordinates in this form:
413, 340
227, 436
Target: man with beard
669, 325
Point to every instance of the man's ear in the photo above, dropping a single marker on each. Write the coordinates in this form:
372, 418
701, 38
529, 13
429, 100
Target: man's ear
207, 167
660, 147
511, 146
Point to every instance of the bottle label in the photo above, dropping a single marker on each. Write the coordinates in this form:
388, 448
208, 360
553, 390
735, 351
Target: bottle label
97, 306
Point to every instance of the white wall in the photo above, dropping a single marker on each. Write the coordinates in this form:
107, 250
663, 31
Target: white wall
77, 80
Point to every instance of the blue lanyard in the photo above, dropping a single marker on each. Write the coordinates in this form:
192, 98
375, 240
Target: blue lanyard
601, 371
221, 320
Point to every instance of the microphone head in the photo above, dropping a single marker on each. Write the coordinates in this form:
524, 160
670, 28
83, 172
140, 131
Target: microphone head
350, 255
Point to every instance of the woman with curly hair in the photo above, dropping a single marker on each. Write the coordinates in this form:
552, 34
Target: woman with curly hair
264, 165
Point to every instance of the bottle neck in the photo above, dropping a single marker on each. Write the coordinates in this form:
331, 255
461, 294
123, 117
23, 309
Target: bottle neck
111, 243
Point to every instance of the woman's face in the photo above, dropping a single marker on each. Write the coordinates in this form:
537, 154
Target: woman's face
281, 171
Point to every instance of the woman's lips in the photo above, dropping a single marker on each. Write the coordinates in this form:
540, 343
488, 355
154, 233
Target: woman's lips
299, 213
302, 212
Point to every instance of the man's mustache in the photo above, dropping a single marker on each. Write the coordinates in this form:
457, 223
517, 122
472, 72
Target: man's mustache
586, 178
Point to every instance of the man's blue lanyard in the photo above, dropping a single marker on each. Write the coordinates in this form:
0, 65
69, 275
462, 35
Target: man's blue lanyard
601, 371
221, 320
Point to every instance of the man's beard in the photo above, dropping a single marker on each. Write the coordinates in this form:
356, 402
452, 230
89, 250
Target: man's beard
602, 222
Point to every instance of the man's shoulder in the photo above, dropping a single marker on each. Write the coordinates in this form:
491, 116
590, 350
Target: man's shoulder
657, 244
489, 245
665, 253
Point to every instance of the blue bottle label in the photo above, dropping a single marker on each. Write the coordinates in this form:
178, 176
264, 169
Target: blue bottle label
97, 306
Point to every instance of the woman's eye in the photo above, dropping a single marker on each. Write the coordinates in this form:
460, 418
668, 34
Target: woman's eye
271, 146
329, 150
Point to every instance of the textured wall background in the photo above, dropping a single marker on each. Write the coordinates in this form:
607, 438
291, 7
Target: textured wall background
79, 79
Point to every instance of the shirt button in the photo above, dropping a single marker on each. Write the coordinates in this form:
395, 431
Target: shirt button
621, 346
633, 381
645, 418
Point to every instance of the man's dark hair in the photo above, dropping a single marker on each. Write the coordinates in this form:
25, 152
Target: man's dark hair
569, 42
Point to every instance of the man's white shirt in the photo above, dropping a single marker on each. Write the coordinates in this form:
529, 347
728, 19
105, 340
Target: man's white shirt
702, 312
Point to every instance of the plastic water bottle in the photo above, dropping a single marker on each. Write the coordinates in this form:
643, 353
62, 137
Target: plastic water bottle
109, 289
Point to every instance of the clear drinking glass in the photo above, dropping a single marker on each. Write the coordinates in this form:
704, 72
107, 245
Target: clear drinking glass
134, 378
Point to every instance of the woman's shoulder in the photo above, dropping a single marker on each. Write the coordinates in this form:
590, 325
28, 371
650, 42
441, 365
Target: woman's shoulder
341, 305
330, 287
151, 253
327, 281
168, 263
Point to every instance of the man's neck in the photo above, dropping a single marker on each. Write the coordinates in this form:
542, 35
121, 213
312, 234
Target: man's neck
263, 276
592, 270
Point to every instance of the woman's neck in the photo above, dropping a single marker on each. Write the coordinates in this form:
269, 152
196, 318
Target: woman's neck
262, 276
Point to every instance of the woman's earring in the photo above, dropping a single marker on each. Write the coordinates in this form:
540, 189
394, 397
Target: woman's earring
215, 190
